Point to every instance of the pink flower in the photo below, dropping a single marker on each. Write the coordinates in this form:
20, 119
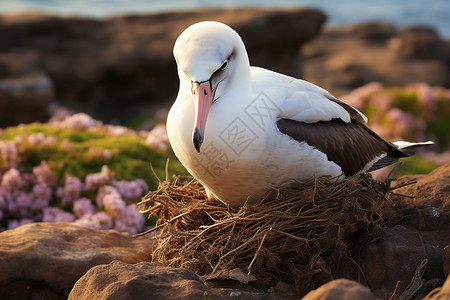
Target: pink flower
157, 138
100, 153
358, 97
131, 190
12, 180
35, 139
382, 102
130, 220
43, 173
66, 145
105, 190
94, 181
112, 130
99, 220
114, 204
83, 207
8, 153
54, 214
72, 190
79, 121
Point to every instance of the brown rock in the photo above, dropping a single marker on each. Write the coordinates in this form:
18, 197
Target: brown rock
431, 190
420, 42
99, 66
119, 280
25, 99
347, 57
411, 257
441, 293
44, 260
446, 259
340, 289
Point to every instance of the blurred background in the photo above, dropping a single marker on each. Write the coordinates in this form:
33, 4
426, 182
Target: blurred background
100, 78
113, 59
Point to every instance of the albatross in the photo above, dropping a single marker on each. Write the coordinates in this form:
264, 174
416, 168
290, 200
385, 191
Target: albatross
242, 131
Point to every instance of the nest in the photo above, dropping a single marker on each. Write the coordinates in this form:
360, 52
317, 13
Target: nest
290, 232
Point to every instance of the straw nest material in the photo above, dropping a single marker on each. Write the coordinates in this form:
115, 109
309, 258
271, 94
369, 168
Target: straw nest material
291, 230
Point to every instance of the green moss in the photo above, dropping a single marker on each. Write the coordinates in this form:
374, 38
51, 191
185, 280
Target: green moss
405, 100
440, 124
415, 165
130, 158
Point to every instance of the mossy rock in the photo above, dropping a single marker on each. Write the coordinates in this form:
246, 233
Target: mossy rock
75, 151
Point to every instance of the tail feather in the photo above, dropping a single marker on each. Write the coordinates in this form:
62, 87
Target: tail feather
387, 160
404, 145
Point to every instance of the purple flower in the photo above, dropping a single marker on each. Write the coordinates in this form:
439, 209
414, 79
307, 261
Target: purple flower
103, 191
24, 201
83, 207
99, 220
130, 220
42, 191
131, 190
16, 223
114, 204
54, 214
39, 204
96, 180
12, 180
43, 173
29, 179
72, 190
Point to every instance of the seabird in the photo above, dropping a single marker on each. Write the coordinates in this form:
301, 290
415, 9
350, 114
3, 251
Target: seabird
242, 131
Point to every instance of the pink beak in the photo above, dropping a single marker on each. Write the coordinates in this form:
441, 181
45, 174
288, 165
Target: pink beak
203, 99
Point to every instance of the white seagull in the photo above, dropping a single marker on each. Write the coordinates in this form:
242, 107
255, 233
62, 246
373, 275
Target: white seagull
242, 131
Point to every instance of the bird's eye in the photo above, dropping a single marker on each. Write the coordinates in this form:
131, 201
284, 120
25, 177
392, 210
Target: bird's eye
224, 65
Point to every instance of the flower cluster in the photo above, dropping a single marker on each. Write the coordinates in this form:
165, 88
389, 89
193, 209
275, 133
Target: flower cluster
36, 197
46, 172
408, 113
157, 138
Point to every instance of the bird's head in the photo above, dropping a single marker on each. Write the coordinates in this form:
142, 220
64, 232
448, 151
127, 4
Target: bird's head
211, 60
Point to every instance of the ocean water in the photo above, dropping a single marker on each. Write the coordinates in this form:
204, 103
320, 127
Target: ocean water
434, 13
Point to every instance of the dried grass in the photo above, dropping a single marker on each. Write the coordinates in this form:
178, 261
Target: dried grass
288, 231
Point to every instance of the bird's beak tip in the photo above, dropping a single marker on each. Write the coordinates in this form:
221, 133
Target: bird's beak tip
197, 139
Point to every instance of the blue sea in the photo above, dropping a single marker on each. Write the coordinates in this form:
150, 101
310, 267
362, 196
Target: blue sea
434, 13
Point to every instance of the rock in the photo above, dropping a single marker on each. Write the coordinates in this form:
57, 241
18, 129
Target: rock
25, 99
431, 190
340, 289
44, 260
144, 280
104, 66
400, 254
420, 42
446, 259
346, 57
441, 293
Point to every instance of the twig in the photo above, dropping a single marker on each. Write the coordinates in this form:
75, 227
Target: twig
403, 185
257, 252
395, 290
402, 195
